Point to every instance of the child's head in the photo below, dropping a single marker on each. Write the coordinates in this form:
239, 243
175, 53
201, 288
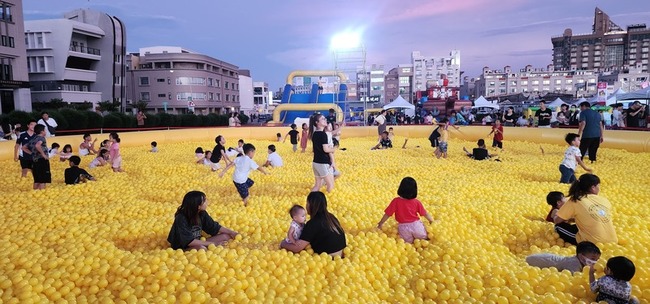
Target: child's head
278, 135
55, 146
105, 142
207, 153
408, 188
114, 136
249, 150
219, 140
74, 161
572, 139
587, 252
240, 142
620, 268
103, 153
305, 126
298, 214
87, 137
198, 150
39, 130
67, 148
154, 144
480, 143
293, 126
271, 149
497, 122
555, 199
390, 129
384, 134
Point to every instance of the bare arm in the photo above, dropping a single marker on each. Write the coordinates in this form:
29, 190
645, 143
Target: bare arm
226, 169
16, 148
558, 220
582, 164
328, 149
383, 220
285, 138
231, 233
592, 277
290, 235
581, 127
40, 149
225, 157
602, 131
262, 170
296, 247
429, 217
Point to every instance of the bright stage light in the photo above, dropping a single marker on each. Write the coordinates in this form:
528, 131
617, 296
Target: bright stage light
345, 40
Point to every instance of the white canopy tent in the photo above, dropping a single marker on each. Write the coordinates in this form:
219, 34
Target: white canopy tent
400, 103
481, 102
558, 102
615, 97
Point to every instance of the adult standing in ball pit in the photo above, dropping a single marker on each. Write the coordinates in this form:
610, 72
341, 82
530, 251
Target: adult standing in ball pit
592, 213
380, 120
322, 163
37, 147
591, 129
190, 219
323, 230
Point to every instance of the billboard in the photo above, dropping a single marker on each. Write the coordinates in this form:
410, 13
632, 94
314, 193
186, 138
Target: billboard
602, 93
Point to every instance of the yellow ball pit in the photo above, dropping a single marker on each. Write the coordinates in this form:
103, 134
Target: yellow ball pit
105, 241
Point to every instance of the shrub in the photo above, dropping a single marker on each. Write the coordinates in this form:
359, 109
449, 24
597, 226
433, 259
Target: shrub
113, 120
166, 120
153, 120
210, 119
19, 117
78, 119
189, 120
243, 118
95, 121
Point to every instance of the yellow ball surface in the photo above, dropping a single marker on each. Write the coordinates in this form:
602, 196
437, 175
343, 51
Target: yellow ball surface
105, 241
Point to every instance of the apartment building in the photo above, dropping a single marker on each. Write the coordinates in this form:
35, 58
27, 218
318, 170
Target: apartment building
14, 81
429, 71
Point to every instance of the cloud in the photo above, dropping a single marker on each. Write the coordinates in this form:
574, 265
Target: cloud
409, 10
528, 27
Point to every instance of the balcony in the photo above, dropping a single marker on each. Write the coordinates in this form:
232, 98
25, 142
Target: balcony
68, 96
84, 52
80, 75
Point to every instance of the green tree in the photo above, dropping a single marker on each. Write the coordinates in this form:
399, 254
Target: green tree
141, 105
109, 106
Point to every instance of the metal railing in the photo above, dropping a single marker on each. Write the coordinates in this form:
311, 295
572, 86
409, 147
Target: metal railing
85, 49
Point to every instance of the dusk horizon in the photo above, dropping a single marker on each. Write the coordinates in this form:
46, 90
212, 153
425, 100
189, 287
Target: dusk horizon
272, 39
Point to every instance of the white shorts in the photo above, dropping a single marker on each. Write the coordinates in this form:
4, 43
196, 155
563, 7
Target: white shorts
322, 170
117, 162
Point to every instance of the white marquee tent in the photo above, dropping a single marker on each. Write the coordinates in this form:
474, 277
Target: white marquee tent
399, 102
558, 102
481, 102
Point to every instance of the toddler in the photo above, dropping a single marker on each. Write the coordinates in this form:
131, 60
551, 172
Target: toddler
66, 153
279, 136
233, 152
304, 137
615, 286
154, 147
114, 152
205, 160
408, 210
441, 150
54, 150
274, 159
294, 136
198, 153
100, 160
298, 216
572, 158
243, 166
384, 142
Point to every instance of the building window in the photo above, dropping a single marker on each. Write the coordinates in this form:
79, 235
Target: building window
210, 82
7, 41
218, 96
160, 80
145, 96
163, 95
6, 70
190, 81
117, 80
210, 96
227, 97
5, 15
118, 58
218, 84
144, 81
226, 87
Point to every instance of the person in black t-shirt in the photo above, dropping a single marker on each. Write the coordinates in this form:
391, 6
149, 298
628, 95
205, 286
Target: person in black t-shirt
294, 136
322, 164
19, 153
219, 151
74, 174
543, 115
384, 143
480, 152
323, 230
190, 219
634, 114
509, 117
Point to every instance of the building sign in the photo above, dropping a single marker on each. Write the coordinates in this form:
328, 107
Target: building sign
14, 84
602, 92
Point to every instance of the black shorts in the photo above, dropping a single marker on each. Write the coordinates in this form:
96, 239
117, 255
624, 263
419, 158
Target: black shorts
41, 171
243, 188
26, 163
496, 143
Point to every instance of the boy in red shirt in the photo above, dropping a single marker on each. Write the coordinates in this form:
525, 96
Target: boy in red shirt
497, 129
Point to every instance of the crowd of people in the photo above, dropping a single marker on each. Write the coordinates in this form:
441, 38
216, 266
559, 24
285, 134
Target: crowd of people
582, 218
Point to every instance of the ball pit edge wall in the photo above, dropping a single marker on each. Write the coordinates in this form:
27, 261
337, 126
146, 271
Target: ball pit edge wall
632, 141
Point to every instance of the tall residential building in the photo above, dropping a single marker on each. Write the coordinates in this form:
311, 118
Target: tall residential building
405, 81
431, 71
607, 47
467, 88
176, 80
370, 84
392, 85
493, 83
77, 59
629, 79
246, 103
14, 82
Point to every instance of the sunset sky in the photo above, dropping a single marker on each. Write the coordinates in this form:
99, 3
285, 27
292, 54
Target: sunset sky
272, 38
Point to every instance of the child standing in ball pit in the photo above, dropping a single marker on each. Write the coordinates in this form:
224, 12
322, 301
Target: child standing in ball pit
243, 166
190, 219
114, 152
294, 136
408, 210
299, 217
441, 150
615, 286
572, 158
304, 137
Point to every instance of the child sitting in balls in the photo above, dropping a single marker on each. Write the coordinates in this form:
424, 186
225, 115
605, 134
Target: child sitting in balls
234, 152
615, 286
480, 152
299, 217
190, 219
408, 210
154, 147
566, 231
273, 159
384, 142
54, 150
243, 166
587, 254
572, 158
199, 153
74, 174
100, 160
205, 160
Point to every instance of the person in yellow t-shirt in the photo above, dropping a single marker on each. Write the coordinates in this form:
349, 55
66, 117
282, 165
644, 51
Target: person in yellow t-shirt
592, 213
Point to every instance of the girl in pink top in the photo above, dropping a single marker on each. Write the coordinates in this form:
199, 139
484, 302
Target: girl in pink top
114, 152
304, 137
408, 210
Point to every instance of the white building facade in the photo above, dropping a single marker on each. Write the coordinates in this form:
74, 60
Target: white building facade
77, 59
246, 102
431, 71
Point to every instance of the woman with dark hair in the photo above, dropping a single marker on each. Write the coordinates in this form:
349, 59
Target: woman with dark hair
592, 213
408, 210
323, 230
37, 148
322, 163
190, 219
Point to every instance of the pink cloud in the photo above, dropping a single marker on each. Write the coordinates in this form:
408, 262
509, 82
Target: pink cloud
402, 10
